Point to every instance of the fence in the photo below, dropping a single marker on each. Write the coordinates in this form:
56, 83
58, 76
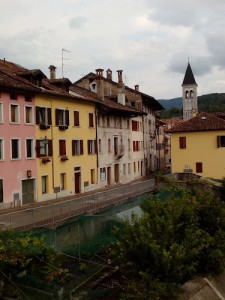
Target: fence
56, 212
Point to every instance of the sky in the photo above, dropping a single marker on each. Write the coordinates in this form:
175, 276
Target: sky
150, 40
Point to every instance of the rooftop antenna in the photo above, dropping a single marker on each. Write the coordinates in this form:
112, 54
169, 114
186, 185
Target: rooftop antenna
64, 50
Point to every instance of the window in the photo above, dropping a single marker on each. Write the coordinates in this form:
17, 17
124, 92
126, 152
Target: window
109, 145
128, 124
15, 149
1, 190
102, 174
91, 120
77, 147
99, 145
44, 147
1, 149
29, 148
62, 118
13, 97
92, 176
128, 144
108, 121
28, 114
14, 113
124, 169
135, 125
44, 182
182, 142
134, 167
43, 117
129, 170
92, 146
62, 147
62, 181
199, 167
76, 118
1, 112
220, 141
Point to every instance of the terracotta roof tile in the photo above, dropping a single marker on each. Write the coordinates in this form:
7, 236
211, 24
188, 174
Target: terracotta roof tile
202, 122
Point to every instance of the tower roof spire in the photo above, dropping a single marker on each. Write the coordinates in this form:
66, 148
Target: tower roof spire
189, 77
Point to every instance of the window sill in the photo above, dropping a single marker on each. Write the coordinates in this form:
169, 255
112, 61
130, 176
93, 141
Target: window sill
42, 126
63, 127
64, 158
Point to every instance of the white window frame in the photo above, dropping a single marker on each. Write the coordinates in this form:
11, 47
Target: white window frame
17, 113
1, 113
2, 150
19, 149
31, 115
32, 148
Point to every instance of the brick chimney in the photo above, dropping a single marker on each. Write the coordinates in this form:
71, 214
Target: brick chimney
136, 87
120, 77
100, 83
52, 72
109, 74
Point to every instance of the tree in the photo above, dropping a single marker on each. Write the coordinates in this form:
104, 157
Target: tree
173, 240
24, 252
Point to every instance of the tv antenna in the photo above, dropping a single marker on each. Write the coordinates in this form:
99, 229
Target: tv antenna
64, 50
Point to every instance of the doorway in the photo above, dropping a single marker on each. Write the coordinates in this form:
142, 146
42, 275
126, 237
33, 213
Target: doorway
77, 179
108, 175
27, 191
116, 173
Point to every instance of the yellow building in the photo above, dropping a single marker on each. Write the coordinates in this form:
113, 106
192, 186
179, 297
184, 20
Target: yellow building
65, 143
198, 146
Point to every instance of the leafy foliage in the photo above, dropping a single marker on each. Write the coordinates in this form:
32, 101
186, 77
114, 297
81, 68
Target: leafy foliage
173, 240
24, 251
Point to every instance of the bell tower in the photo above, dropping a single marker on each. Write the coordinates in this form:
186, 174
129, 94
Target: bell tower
189, 89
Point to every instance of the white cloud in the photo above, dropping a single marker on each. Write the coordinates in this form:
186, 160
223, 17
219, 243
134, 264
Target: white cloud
151, 40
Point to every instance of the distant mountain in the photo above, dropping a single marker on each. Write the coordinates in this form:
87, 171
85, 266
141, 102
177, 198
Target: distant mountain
175, 102
208, 103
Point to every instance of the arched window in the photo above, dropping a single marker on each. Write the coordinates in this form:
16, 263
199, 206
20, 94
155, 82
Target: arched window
191, 94
186, 94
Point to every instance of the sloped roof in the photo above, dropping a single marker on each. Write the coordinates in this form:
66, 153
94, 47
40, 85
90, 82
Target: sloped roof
146, 98
189, 77
202, 122
12, 81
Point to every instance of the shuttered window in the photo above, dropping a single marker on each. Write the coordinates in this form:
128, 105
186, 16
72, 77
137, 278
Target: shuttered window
182, 142
62, 147
91, 120
76, 118
199, 168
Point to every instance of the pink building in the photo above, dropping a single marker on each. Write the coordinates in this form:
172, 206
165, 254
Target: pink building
17, 141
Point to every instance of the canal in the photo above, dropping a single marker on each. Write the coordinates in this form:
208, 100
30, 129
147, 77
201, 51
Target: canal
85, 234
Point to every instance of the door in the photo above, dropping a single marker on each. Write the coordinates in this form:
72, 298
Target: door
116, 172
77, 177
108, 175
27, 191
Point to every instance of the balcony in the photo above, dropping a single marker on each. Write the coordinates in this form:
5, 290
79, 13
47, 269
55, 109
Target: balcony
44, 126
45, 160
64, 158
119, 151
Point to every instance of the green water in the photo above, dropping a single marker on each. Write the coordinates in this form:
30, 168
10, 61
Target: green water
87, 233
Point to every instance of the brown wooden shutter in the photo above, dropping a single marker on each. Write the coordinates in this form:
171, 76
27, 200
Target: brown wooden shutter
57, 116
182, 142
134, 146
96, 146
81, 147
49, 116
198, 167
218, 142
38, 154
76, 118
67, 123
89, 146
50, 148
37, 115
73, 147
91, 121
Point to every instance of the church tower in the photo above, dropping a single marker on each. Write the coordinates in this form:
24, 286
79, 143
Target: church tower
189, 88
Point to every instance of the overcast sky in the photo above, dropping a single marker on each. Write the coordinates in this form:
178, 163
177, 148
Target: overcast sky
150, 40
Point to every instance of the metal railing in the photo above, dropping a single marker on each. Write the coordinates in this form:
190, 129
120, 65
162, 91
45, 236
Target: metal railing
53, 213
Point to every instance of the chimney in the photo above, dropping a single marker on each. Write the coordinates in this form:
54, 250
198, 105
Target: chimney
100, 83
52, 72
120, 77
109, 74
136, 87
